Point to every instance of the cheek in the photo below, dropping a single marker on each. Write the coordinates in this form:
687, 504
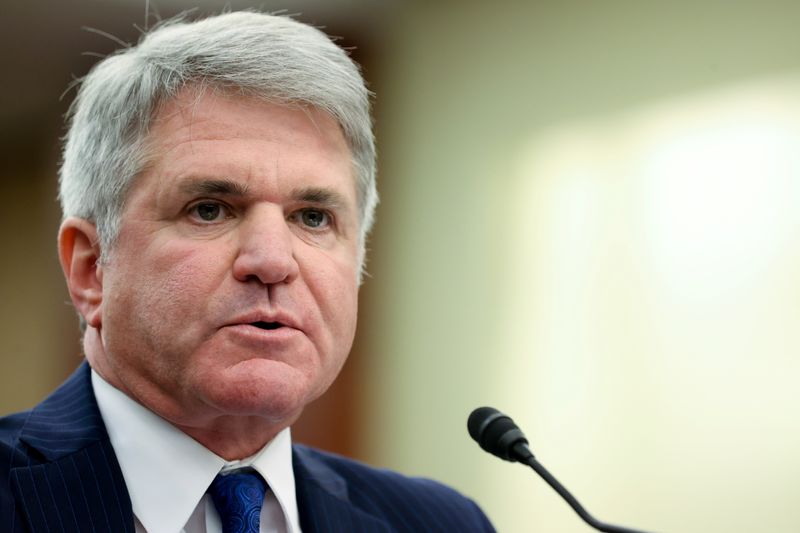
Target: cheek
189, 267
188, 277
336, 292
160, 286
180, 257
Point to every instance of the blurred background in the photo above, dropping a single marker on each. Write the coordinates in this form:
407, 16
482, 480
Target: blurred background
589, 219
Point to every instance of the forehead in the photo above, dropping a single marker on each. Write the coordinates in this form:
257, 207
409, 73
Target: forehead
206, 134
207, 114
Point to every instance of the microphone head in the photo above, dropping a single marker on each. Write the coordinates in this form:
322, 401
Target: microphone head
497, 434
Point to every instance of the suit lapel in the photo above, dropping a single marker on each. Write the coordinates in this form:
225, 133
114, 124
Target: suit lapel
72, 481
323, 501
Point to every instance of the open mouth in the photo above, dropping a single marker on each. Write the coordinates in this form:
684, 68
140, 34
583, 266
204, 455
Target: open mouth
267, 325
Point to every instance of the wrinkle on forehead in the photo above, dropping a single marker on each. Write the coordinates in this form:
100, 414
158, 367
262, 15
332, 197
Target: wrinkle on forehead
193, 107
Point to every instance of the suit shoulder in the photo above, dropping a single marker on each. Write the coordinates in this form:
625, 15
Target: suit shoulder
11, 456
411, 503
10, 427
358, 473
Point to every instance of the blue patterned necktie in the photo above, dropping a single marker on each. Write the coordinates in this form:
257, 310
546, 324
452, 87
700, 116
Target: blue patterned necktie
238, 497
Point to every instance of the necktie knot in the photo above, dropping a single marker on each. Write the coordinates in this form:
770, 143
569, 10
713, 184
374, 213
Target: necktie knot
238, 498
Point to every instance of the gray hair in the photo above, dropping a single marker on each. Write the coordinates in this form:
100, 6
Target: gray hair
264, 56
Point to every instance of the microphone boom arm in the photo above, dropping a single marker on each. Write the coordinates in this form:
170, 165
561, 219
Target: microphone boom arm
524, 455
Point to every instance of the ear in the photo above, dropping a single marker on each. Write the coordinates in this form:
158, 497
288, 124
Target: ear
79, 252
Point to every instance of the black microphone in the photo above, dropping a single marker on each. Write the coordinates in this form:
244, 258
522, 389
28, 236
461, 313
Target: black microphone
499, 435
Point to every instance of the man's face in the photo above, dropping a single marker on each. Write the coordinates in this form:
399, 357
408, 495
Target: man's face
232, 289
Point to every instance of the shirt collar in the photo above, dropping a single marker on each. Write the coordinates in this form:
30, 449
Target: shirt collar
167, 472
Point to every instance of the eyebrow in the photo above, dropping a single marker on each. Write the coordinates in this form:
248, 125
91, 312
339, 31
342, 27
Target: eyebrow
213, 187
321, 196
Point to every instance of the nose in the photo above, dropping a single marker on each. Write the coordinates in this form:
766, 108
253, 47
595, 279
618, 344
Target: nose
266, 249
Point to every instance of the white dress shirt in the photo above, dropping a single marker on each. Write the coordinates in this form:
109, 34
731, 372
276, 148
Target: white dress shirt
167, 472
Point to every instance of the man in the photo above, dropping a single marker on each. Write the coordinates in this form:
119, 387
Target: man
217, 187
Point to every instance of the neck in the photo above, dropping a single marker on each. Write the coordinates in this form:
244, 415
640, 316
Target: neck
234, 438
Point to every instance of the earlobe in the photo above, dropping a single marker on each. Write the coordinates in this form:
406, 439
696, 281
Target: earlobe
79, 253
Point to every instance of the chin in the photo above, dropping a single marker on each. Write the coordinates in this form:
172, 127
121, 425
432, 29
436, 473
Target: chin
279, 393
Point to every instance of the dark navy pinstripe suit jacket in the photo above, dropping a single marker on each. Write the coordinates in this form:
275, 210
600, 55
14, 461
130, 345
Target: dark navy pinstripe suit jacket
58, 473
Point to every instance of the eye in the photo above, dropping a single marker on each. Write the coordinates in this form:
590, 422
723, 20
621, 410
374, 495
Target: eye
209, 211
314, 218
